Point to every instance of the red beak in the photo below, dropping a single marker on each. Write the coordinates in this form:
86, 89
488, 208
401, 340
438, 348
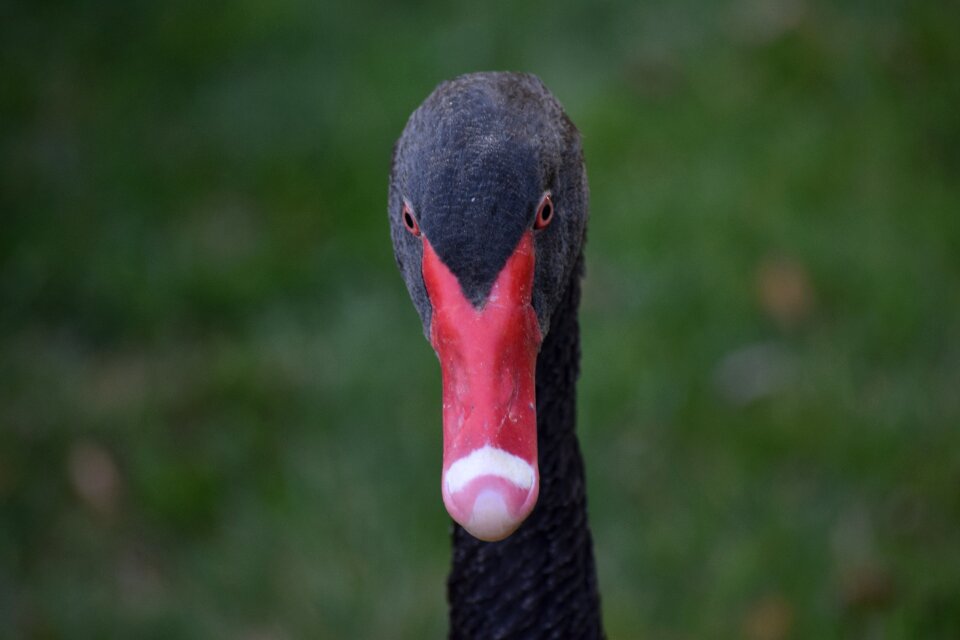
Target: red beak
488, 360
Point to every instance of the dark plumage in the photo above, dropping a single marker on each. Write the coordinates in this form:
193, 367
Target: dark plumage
472, 164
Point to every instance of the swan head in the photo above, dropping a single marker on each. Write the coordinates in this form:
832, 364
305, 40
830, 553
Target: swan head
488, 206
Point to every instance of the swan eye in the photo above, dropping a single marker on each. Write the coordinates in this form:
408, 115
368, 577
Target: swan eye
544, 213
409, 221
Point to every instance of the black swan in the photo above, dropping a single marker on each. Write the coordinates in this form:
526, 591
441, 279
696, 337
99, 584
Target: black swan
488, 211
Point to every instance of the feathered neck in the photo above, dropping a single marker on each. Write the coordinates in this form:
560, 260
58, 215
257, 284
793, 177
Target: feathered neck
541, 581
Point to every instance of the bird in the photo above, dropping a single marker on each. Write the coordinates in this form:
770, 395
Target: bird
488, 206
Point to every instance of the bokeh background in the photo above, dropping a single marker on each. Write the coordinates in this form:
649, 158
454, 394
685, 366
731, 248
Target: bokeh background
219, 417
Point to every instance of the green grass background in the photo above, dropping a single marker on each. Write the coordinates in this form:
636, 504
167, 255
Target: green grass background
219, 417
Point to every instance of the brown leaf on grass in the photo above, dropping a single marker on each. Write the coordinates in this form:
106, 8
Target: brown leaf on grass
769, 618
94, 476
784, 290
867, 587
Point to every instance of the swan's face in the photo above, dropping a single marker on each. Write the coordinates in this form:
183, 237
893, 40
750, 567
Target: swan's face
487, 208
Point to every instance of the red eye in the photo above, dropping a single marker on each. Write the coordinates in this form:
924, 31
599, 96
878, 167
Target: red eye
409, 221
544, 213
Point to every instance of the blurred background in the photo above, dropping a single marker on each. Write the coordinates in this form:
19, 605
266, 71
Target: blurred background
218, 414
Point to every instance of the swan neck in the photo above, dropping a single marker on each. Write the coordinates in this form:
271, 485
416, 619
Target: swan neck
540, 581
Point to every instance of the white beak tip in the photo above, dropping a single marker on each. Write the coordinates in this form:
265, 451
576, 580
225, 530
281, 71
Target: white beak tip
491, 519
